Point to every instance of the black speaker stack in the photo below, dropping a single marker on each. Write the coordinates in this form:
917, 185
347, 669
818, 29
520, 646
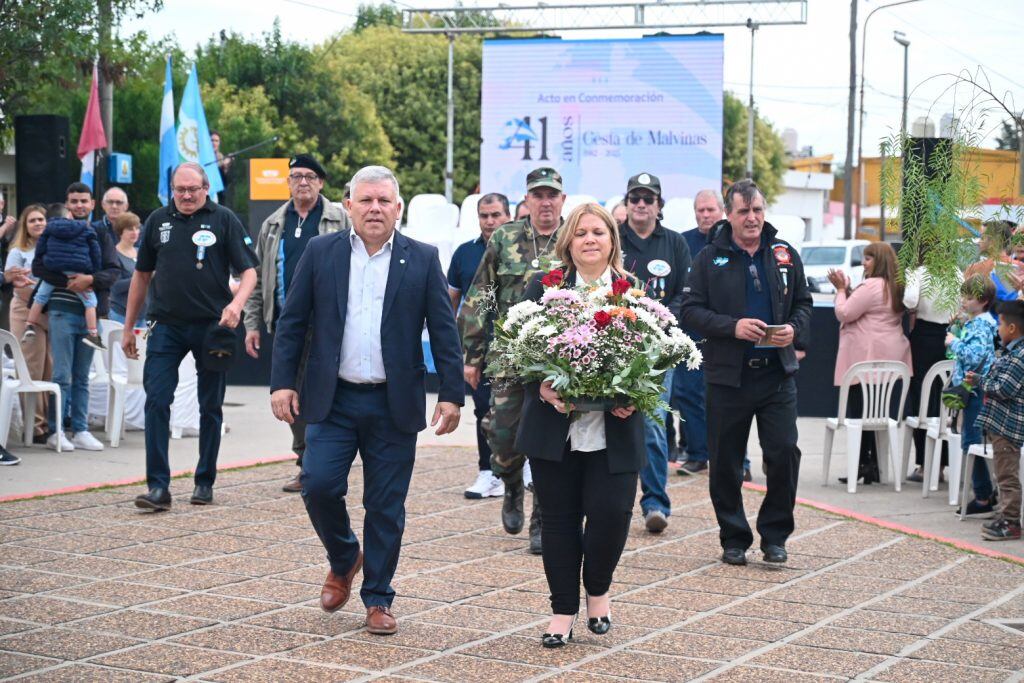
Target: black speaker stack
42, 145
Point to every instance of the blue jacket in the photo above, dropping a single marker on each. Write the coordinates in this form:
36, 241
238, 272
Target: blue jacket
975, 349
69, 246
317, 302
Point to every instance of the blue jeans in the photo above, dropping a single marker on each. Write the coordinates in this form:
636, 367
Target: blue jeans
71, 362
654, 475
981, 482
688, 399
42, 295
166, 347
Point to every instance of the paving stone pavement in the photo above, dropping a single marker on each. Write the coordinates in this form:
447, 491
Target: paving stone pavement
91, 589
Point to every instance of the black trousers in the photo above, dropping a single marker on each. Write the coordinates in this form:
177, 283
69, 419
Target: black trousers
769, 396
577, 488
481, 406
927, 347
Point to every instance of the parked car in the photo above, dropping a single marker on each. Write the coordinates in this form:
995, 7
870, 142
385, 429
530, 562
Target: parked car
820, 257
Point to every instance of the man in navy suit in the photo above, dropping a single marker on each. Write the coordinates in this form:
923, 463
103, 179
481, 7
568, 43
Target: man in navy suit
365, 293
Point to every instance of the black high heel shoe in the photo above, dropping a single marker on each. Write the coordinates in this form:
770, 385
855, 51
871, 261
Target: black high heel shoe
553, 640
599, 625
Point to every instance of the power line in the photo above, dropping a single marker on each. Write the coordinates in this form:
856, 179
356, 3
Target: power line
322, 8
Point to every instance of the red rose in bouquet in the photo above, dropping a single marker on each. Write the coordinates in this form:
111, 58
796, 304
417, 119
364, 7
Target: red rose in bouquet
620, 286
602, 318
553, 278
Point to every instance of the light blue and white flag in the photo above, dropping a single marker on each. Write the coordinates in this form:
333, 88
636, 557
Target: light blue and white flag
194, 135
168, 144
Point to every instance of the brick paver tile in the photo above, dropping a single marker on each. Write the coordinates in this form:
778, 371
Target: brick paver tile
700, 645
648, 667
246, 639
309, 620
64, 643
857, 640
46, 610
283, 671
372, 656
459, 668
12, 664
911, 671
214, 606
973, 654
141, 624
88, 673
170, 659
817, 660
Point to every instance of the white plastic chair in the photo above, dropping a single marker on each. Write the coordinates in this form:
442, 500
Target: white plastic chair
678, 215
878, 382
974, 451
121, 383
941, 370
469, 221
938, 434
22, 383
419, 204
574, 200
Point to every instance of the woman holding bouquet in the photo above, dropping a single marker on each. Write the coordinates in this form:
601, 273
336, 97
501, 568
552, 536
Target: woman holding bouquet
585, 463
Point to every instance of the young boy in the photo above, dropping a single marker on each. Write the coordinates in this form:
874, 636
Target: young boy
1002, 417
70, 247
975, 351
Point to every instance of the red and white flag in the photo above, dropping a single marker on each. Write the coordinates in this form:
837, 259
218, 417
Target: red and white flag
93, 136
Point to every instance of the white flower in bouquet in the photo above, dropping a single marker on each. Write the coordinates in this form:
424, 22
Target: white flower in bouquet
605, 343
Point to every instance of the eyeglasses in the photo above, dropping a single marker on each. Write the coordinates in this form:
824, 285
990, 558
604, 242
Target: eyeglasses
299, 177
648, 199
115, 202
188, 190
757, 280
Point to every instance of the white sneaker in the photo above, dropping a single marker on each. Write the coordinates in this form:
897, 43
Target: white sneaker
65, 445
86, 441
486, 486
527, 476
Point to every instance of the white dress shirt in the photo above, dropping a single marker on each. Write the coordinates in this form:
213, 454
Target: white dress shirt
586, 432
361, 360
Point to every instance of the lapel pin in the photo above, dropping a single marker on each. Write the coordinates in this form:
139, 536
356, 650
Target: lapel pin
401, 260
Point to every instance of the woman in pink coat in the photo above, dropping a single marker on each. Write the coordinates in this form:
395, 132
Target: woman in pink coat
871, 328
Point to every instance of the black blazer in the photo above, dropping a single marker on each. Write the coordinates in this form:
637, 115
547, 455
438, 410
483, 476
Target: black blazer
416, 293
543, 431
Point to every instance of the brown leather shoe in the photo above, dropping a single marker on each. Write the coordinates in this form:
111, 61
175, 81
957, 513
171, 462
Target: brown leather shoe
380, 621
293, 486
337, 589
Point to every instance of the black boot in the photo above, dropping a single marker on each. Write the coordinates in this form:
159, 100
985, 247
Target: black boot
512, 505
535, 527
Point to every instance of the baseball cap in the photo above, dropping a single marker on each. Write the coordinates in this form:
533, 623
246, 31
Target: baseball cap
644, 181
544, 177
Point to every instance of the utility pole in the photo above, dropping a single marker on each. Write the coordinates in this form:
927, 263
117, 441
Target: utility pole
106, 87
901, 38
848, 167
449, 168
750, 107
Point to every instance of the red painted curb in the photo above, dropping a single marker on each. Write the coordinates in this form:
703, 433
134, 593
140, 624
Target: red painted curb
892, 526
139, 480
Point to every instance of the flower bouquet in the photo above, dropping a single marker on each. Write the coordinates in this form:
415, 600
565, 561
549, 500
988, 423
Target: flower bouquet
600, 346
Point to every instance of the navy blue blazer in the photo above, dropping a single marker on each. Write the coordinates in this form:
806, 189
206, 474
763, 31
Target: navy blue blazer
317, 300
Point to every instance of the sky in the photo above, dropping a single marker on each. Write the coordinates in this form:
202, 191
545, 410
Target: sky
801, 73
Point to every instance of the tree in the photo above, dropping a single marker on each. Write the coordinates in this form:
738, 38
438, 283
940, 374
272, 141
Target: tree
769, 152
337, 122
405, 77
1009, 135
53, 42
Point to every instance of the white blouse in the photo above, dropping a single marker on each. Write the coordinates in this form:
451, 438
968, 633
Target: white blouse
586, 432
925, 307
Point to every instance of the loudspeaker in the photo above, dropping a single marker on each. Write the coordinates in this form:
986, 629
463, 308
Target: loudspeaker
41, 147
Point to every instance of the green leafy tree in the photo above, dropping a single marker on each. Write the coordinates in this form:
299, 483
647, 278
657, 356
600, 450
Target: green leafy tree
769, 152
336, 121
46, 42
405, 77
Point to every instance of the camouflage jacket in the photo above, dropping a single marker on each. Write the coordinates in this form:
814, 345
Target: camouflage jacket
501, 278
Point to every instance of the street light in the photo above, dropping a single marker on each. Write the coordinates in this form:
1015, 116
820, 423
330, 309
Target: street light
901, 38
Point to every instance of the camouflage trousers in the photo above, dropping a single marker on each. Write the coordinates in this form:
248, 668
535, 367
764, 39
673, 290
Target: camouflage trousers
500, 426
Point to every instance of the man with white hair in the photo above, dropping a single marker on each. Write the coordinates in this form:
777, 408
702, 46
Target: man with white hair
362, 296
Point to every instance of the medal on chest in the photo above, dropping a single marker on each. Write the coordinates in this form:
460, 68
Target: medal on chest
202, 239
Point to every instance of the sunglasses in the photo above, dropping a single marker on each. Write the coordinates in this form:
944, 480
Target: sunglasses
648, 199
757, 280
